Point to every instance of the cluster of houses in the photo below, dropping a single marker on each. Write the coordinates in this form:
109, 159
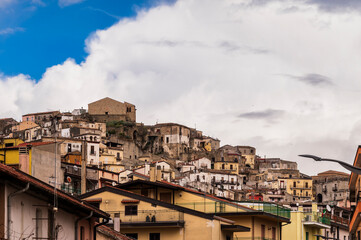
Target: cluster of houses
97, 173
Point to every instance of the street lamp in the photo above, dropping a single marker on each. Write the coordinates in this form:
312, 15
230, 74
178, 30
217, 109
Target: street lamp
343, 164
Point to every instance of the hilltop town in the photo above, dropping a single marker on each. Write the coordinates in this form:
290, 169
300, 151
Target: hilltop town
162, 181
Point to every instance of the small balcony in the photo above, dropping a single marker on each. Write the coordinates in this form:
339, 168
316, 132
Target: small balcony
148, 218
317, 220
335, 188
337, 219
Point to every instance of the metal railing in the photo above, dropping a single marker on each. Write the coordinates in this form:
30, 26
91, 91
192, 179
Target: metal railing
143, 216
316, 217
71, 190
221, 207
337, 219
272, 208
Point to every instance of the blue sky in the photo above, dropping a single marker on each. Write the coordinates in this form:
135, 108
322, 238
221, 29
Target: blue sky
237, 70
38, 34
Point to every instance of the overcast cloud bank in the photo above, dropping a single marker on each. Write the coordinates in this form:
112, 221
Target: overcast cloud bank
262, 75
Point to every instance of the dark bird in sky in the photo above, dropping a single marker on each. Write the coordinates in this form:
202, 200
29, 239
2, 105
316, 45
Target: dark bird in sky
343, 164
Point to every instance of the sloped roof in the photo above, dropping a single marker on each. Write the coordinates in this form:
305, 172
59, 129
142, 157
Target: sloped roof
46, 189
111, 233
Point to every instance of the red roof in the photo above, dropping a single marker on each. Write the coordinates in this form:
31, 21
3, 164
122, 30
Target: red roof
111, 233
25, 178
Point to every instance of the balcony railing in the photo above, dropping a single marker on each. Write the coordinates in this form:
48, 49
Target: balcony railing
71, 190
272, 208
221, 207
316, 217
150, 217
337, 219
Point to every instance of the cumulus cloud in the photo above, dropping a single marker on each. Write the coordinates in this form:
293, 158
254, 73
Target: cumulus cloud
202, 63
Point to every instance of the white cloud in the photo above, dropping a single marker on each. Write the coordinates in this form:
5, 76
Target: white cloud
65, 3
7, 31
207, 62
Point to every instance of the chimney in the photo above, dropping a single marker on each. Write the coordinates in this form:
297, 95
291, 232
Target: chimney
159, 173
152, 173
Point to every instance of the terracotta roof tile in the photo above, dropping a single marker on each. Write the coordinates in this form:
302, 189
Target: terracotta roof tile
111, 233
23, 177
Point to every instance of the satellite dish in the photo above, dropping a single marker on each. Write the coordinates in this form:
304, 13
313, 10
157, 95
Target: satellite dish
328, 208
114, 183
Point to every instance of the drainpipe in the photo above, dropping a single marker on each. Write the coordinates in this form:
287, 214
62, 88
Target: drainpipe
11, 195
105, 221
78, 220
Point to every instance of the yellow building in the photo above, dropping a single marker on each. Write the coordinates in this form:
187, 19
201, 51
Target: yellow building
232, 166
263, 224
9, 151
299, 188
109, 162
145, 218
249, 153
306, 223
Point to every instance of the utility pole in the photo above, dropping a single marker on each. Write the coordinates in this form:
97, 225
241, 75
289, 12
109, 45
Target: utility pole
83, 167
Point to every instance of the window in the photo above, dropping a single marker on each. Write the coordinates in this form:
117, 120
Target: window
132, 235
294, 192
131, 210
9, 144
92, 150
82, 235
144, 192
222, 166
273, 233
69, 147
306, 184
231, 167
263, 232
294, 184
154, 236
307, 236
198, 178
167, 139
